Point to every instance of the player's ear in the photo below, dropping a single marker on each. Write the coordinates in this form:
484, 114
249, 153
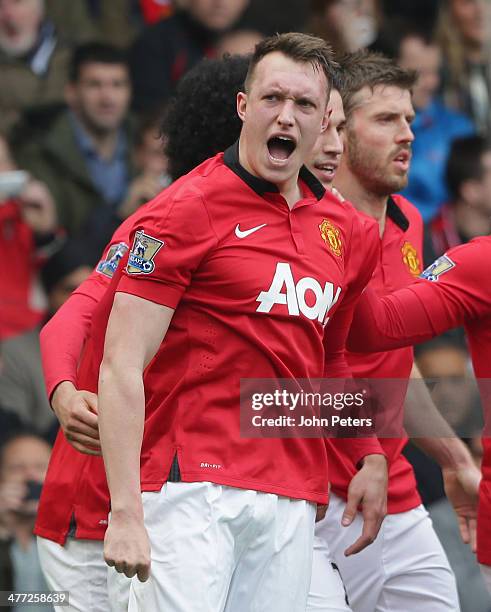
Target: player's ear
241, 104
325, 118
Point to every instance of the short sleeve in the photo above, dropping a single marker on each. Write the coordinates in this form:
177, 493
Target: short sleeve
167, 246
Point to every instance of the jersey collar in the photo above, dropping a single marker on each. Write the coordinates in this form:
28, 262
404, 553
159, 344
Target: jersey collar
395, 213
261, 186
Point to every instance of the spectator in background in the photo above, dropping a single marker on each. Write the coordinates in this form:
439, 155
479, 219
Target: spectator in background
238, 42
66, 270
22, 389
467, 214
28, 234
422, 12
169, 48
435, 126
33, 60
150, 163
447, 363
466, 71
348, 25
86, 156
23, 463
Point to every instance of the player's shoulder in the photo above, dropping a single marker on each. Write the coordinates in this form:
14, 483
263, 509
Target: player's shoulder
355, 218
478, 250
469, 262
361, 229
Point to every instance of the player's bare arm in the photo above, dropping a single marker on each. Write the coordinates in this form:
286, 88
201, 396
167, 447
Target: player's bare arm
128, 350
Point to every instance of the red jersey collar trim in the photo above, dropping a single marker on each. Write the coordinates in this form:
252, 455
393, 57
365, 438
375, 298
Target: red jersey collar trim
394, 212
261, 186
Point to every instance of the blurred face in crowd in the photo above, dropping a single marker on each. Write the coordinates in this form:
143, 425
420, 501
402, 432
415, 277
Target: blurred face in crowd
25, 459
216, 14
454, 391
415, 54
378, 139
66, 286
149, 155
354, 20
240, 42
100, 97
283, 113
477, 192
328, 148
19, 25
470, 17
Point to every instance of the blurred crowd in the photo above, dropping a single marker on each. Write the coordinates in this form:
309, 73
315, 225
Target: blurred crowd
83, 92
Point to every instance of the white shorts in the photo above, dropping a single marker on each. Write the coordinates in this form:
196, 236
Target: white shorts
79, 568
405, 569
486, 574
327, 592
216, 548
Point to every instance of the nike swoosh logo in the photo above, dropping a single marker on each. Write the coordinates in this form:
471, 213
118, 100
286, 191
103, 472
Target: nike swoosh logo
243, 234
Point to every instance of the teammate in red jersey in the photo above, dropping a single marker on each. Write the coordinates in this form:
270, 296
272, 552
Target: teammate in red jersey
455, 290
378, 139
221, 294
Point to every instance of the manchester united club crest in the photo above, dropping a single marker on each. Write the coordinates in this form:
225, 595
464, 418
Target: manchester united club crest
411, 259
331, 236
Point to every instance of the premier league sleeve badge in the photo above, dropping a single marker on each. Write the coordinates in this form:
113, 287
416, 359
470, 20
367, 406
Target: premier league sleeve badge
142, 253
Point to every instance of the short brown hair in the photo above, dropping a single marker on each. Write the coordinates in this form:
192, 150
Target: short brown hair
298, 47
368, 69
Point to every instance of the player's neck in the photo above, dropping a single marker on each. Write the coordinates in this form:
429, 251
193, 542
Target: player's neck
366, 201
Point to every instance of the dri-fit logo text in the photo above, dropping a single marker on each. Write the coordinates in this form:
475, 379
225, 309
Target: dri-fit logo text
284, 291
214, 466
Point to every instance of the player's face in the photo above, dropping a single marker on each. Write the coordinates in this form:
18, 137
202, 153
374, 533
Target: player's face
378, 139
329, 145
101, 95
283, 114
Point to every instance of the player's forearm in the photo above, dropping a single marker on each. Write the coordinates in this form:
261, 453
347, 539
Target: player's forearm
62, 339
121, 420
449, 453
396, 320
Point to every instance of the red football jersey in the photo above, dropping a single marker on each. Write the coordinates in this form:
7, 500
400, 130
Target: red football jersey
87, 502
253, 284
459, 293
399, 263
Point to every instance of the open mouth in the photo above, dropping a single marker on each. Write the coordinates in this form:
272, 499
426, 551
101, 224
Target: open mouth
281, 147
403, 157
325, 172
